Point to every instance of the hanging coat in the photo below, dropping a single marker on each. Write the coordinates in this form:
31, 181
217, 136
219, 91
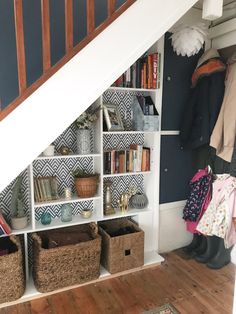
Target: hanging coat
223, 136
202, 109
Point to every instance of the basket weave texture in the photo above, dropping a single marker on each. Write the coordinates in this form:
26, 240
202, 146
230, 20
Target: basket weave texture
12, 278
86, 187
122, 252
65, 265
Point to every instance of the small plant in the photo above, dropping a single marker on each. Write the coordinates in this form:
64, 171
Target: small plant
78, 173
17, 206
86, 119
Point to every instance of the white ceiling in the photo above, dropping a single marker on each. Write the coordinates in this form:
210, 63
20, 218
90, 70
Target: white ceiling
199, 3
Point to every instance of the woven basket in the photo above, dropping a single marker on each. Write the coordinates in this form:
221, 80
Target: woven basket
66, 265
12, 279
121, 252
86, 187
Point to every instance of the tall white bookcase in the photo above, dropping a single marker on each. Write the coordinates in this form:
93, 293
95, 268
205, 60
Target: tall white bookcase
63, 165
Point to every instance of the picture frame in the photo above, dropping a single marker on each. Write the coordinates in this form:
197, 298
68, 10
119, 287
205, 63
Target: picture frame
112, 118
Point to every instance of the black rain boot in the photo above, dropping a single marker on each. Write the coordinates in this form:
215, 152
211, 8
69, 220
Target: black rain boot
211, 250
194, 244
221, 258
201, 249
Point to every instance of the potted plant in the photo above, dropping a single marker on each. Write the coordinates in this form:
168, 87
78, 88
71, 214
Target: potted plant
86, 184
84, 124
18, 214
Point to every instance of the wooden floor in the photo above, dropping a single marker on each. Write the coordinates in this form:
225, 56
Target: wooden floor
191, 287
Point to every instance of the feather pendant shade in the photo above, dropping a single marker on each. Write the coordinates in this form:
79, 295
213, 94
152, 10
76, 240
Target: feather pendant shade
187, 40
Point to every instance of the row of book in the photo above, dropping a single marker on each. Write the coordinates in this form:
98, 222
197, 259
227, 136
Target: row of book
134, 159
144, 73
45, 189
4, 227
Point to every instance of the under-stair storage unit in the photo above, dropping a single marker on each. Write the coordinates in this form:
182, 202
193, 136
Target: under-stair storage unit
139, 173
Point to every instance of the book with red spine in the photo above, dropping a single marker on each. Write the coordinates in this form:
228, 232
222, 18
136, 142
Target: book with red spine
154, 70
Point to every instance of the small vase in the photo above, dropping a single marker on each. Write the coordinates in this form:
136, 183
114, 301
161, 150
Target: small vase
46, 218
83, 141
139, 201
66, 213
18, 223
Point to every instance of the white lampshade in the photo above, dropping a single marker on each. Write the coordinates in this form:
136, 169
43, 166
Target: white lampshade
212, 9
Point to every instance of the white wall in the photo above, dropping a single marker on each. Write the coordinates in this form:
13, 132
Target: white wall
172, 231
46, 113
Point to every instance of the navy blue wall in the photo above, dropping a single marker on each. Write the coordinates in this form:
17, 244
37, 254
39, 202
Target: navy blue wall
8, 60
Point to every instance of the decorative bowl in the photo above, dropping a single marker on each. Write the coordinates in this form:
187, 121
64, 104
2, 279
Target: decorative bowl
86, 213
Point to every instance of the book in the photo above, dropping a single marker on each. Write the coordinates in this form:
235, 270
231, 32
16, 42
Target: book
2, 232
154, 70
4, 224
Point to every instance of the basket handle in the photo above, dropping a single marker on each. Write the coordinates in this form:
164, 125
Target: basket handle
37, 239
16, 241
94, 228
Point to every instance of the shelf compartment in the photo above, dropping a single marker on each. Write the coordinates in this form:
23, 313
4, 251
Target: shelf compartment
74, 199
68, 156
125, 174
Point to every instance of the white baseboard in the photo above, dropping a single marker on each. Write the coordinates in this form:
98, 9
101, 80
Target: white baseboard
172, 231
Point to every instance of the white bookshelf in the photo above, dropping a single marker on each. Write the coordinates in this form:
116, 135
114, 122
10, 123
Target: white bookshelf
148, 181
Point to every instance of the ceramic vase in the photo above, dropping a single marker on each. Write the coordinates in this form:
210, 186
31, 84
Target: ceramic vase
66, 212
83, 141
139, 201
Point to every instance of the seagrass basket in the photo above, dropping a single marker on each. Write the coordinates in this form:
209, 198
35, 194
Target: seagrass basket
86, 187
121, 252
12, 278
66, 257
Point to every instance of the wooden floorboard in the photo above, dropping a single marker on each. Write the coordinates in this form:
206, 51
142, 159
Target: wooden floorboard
189, 286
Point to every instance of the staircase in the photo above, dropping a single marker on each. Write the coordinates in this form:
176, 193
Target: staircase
44, 109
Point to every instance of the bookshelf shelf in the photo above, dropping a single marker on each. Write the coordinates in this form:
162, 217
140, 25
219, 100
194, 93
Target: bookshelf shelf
68, 156
126, 174
128, 213
74, 199
128, 132
130, 89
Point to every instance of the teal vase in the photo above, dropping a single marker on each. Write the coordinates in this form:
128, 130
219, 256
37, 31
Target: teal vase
66, 212
46, 219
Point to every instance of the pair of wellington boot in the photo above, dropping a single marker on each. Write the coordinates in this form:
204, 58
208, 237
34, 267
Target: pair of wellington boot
215, 255
197, 246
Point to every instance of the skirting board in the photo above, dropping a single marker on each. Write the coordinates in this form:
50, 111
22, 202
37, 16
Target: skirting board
172, 234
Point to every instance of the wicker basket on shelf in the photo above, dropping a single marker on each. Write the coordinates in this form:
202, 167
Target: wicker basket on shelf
66, 257
86, 186
12, 278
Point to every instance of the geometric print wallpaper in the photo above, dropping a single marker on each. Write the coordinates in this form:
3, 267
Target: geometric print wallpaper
122, 184
6, 195
121, 141
62, 168
55, 210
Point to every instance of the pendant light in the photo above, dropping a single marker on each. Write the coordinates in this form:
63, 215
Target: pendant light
212, 9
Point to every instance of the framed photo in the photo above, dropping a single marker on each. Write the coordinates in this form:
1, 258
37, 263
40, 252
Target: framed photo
112, 118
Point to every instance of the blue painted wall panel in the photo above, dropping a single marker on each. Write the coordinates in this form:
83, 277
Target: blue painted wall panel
8, 60
80, 20
33, 40
57, 30
119, 3
100, 12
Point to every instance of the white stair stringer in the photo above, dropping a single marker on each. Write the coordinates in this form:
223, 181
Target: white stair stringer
49, 110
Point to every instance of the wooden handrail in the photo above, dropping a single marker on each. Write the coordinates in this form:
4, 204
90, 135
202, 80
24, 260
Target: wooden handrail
20, 45
71, 51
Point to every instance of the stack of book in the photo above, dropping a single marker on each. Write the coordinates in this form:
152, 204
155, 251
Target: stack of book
4, 227
134, 159
144, 73
45, 189
147, 105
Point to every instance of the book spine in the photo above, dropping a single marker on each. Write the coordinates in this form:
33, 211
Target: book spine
154, 70
4, 225
159, 70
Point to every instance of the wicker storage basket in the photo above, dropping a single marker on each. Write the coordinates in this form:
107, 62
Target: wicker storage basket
86, 187
121, 252
66, 264
12, 278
